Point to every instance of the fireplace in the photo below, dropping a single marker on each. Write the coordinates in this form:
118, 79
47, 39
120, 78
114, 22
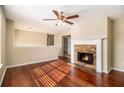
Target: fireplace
85, 57
93, 48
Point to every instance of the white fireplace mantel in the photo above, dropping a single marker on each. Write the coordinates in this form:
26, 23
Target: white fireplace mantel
98, 43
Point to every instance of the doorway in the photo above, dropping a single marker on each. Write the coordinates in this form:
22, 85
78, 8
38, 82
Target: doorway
66, 46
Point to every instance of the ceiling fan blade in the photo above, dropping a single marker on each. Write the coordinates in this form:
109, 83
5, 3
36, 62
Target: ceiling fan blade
56, 13
49, 19
73, 16
69, 22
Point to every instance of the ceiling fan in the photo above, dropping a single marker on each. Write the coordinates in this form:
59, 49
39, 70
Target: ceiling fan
61, 19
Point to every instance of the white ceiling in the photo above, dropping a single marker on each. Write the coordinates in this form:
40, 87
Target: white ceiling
31, 16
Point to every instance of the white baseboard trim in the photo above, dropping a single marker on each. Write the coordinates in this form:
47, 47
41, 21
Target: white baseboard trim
22, 65
3, 76
108, 70
113, 69
105, 72
118, 69
30, 63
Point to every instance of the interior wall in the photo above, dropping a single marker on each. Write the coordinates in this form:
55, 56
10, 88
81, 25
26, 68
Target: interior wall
109, 25
93, 27
29, 54
3, 42
118, 43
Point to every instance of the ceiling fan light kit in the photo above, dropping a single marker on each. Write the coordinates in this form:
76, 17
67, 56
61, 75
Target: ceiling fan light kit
62, 19
60, 22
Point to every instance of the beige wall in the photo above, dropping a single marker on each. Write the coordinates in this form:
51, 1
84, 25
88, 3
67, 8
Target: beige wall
90, 28
118, 44
3, 42
109, 51
28, 54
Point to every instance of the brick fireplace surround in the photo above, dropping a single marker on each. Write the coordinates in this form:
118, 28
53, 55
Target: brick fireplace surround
85, 49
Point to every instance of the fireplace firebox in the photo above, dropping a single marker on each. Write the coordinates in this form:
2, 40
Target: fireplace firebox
85, 57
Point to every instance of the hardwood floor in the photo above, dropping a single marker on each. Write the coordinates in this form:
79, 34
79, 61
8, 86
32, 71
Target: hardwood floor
59, 73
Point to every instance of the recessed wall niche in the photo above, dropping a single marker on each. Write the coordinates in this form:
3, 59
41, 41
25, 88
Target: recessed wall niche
30, 39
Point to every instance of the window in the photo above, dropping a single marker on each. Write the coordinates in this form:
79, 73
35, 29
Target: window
50, 40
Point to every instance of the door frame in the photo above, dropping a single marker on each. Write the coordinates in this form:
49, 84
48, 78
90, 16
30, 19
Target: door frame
65, 36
